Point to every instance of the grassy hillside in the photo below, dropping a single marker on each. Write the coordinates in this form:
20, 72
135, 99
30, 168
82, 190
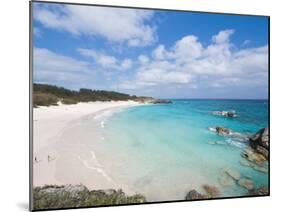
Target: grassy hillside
46, 95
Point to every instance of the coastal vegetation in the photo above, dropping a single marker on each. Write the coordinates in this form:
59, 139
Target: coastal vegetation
74, 196
47, 95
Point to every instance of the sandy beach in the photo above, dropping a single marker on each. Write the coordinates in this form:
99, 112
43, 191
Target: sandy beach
64, 149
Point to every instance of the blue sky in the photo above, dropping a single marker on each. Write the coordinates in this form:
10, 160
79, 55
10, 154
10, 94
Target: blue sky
151, 52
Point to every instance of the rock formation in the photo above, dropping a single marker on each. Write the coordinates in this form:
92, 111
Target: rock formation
222, 131
193, 195
229, 114
260, 142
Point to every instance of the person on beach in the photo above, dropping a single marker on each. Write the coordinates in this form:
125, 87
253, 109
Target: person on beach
49, 158
36, 159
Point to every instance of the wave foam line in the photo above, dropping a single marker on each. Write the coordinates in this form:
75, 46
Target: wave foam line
97, 169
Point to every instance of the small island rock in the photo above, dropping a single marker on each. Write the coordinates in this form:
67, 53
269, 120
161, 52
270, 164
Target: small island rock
222, 131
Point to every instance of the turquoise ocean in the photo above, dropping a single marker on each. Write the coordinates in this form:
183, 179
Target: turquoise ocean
164, 150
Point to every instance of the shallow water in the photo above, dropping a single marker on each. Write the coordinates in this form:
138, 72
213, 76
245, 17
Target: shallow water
164, 150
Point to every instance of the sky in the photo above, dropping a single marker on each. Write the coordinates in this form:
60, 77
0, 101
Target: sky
163, 54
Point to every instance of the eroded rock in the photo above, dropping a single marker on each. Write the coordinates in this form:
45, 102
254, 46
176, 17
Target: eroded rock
261, 191
211, 191
246, 183
222, 131
260, 142
193, 195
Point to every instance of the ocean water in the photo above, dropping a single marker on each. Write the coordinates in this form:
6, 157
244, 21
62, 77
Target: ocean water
164, 150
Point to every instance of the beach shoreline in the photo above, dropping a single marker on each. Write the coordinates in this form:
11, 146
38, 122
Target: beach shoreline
81, 144
59, 157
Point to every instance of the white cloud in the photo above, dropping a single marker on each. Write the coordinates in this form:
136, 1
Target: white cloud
50, 66
106, 61
222, 36
220, 64
187, 48
162, 76
114, 24
143, 59
159, 53
126, 64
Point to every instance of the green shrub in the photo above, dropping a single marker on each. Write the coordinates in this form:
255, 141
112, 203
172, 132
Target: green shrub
69, 101
52, 196
44, 99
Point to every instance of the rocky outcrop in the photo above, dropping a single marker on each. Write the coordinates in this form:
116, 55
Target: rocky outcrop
222, 131
253, 156
193, 195
261, 191
229, 114
254, 160
260, 142
72, 196
210, 192
229, 177
246, 183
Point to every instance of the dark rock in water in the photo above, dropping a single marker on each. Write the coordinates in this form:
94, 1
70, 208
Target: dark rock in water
229, 114
222, 131
211, 191
193, 194
260, 142
260, 138
261, 191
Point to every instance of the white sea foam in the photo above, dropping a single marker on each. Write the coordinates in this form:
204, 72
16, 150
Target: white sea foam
97, 168
235, 143
95, 159
212, 129
239, 136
